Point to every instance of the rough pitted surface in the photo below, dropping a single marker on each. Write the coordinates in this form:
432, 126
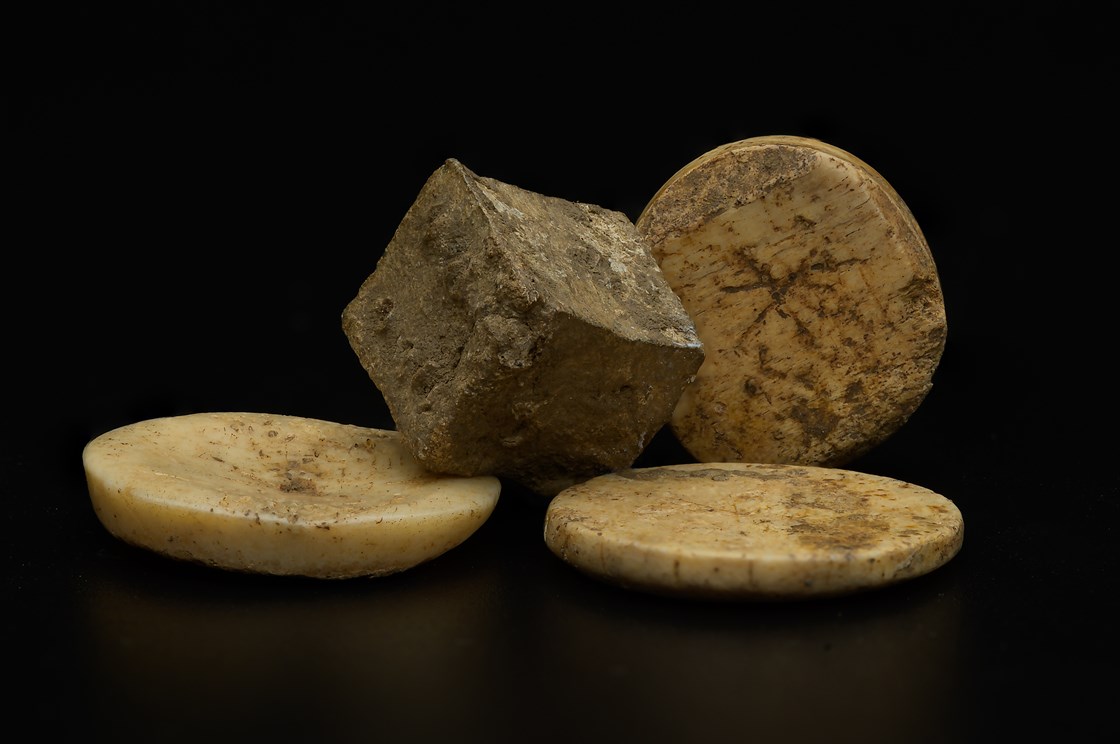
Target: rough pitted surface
815, 295
752, 531
521, 335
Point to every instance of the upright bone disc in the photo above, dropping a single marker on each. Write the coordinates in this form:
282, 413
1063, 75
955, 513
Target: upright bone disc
272, 494
814, 293
751, 531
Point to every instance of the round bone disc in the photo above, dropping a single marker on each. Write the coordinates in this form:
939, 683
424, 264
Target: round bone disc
814, 293
751, 531
279, 495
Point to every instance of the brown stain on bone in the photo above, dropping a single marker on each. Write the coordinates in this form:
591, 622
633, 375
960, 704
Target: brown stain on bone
822, 266
847, 533
834, 518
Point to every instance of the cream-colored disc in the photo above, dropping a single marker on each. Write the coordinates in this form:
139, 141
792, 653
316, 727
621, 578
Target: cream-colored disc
752, 531
814, 293
281, 495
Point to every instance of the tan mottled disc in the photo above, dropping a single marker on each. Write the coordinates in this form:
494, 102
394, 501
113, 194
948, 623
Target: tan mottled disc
814, 293
281, 495
752, 531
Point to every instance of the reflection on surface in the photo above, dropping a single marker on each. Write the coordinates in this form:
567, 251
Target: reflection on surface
207, 652
497, 640
868, 668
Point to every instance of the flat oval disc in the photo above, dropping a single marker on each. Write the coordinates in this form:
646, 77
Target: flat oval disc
752, 531
276, 494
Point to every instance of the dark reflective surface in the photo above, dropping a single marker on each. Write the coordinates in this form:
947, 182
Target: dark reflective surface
499, 637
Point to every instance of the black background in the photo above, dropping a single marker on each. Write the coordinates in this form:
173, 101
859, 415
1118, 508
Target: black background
197, 189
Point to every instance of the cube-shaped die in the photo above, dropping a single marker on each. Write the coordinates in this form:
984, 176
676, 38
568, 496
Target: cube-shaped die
521, 335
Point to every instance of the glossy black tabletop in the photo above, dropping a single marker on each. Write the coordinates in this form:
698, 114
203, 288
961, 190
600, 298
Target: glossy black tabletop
201, 190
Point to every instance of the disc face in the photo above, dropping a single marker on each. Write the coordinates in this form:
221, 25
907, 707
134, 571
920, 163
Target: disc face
273, 494
814, 293
752, 531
